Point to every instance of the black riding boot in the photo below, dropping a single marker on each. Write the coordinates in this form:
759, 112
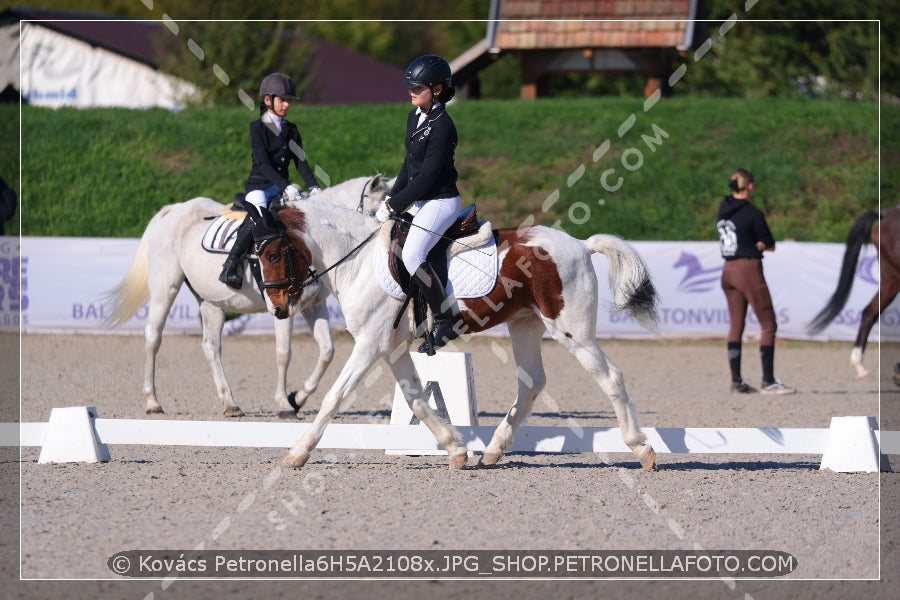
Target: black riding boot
433, 290
232, 271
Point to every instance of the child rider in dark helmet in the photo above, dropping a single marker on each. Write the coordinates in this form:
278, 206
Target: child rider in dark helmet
274, 143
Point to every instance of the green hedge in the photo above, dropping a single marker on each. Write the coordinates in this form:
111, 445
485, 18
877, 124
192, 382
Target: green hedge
105, 172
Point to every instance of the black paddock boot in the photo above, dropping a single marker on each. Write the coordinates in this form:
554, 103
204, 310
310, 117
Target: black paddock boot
433, 290
232, 271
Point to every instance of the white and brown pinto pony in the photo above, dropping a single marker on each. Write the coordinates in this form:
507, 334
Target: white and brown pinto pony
170, 254
546, 282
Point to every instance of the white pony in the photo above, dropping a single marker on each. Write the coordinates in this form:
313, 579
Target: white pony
546, 281
170, 254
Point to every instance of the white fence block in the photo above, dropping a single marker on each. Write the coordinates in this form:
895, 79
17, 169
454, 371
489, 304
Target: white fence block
449, 383
71, 437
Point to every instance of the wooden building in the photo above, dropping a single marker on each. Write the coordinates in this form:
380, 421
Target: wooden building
583, 36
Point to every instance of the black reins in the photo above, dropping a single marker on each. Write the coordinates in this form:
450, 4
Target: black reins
288, 250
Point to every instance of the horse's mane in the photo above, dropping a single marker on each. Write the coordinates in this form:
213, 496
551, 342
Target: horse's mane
347, 221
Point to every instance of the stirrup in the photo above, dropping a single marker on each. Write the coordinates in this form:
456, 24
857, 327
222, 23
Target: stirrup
232, 277
442, 334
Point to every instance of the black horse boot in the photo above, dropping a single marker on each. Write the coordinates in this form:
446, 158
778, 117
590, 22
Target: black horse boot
232, 271
444, 322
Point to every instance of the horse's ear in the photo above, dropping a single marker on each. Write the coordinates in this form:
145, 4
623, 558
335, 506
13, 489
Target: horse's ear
269, 218
376, 182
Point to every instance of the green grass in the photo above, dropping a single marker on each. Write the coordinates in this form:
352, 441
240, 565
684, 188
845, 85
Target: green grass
106, 172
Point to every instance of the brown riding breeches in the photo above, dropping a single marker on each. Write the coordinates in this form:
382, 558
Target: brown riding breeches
743, 282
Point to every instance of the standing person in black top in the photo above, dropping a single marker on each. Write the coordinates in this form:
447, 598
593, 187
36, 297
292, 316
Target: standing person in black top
274, 143
426, 184
743, 236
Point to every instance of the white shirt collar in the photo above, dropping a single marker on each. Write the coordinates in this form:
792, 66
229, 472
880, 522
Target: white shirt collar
274, 119
422, 114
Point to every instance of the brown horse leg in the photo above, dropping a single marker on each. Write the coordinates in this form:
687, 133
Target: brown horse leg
886, 295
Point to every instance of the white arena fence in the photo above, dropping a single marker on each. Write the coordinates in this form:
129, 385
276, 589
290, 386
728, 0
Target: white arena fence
58, 285
851, 444
76, 434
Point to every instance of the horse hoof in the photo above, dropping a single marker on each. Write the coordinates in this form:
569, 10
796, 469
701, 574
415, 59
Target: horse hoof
295, 462
489, 459
234, 411
647, 456
288, 415
156, 410
457, 461
294, 403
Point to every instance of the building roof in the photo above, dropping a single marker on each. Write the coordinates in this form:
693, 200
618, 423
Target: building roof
555, 24
342, 75
127, 37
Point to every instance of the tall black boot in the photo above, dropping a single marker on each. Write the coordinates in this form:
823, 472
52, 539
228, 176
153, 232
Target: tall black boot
444, 321
232, 273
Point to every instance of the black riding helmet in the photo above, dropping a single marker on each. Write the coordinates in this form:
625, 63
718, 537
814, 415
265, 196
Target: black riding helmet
430, 70
278, 84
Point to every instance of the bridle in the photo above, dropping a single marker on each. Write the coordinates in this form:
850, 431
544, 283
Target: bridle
292, 282
364, 194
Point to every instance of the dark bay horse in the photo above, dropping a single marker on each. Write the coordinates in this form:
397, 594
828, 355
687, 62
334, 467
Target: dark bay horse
882, 229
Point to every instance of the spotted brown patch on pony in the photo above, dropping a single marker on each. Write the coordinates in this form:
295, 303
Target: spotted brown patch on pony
528, 279
546, 283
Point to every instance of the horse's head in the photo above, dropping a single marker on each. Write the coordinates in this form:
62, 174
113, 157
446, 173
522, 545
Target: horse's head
286, 268
373, 193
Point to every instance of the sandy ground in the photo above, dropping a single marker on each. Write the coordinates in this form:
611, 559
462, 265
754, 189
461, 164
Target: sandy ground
75, 516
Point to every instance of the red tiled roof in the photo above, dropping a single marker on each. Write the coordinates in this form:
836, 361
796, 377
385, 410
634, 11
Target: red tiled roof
538, 24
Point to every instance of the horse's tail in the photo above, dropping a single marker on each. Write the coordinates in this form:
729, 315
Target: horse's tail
124, 300
859, 234
629, 279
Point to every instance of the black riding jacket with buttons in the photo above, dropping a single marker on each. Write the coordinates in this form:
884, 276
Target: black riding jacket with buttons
272, 152
428, 172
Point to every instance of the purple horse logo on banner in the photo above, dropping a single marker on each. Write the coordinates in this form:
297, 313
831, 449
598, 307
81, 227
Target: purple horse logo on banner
867, 269
697, 279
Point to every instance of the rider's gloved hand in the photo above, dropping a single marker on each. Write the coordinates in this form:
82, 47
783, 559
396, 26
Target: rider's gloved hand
292, 192
383, 213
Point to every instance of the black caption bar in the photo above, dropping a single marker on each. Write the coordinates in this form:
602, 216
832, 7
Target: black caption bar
434, 564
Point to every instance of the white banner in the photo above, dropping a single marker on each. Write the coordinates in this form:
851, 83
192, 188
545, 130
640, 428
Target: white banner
62, 283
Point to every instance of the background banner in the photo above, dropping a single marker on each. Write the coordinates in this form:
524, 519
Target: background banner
53, 284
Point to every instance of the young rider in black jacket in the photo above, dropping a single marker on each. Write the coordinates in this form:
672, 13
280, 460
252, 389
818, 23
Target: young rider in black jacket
274, 144
426, 184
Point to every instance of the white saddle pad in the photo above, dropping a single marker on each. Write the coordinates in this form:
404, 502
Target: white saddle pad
219, 236
471, 273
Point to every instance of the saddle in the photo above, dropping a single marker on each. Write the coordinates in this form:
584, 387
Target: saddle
466, 224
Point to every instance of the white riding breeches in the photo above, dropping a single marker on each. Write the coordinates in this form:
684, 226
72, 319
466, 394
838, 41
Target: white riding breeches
260, 198
431, 218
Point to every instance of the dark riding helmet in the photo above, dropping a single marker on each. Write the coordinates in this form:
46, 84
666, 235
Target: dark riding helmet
430, 70
278, 84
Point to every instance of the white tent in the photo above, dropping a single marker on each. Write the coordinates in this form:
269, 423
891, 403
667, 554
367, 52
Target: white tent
53, 69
